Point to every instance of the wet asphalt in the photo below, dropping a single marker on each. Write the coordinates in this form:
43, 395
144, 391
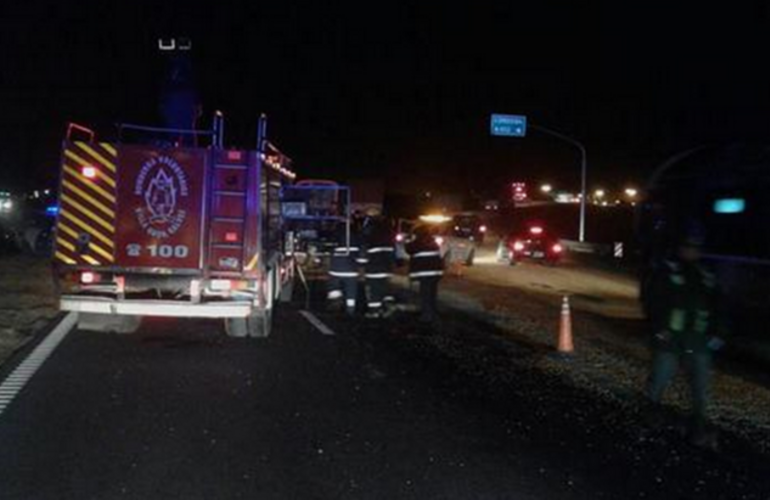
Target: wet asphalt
383, 409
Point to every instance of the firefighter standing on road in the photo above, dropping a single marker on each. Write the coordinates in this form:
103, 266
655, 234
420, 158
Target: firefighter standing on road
343, 270
682, 310
378, 258
427, 268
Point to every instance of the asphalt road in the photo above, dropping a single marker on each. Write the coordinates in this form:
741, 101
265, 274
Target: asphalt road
378, 410
602, 291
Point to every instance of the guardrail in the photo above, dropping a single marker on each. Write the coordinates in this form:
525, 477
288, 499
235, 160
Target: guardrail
589, 248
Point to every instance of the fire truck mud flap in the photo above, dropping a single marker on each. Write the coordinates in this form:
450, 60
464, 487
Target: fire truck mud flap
259, 323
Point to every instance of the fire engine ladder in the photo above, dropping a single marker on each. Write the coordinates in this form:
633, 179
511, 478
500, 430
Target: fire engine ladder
230, 180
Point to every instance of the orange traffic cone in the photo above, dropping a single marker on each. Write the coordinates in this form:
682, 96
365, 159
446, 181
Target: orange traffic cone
564, 344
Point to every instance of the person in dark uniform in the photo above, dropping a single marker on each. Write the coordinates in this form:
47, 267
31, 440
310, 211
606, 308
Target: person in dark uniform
378, 252
682, 308
343, 271
426, 268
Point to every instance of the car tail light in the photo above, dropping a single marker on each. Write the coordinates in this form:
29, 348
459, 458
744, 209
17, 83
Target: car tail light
536, 230
557, 248
88, 277
439, 240
518, 246
482, 229
88, 172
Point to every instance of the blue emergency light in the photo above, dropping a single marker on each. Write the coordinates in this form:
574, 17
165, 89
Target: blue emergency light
52, 210
729, 206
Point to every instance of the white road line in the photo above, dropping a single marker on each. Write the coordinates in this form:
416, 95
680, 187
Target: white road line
15, 382
317, 323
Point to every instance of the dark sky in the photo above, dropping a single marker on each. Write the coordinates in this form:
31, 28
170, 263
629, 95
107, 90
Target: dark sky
399, 91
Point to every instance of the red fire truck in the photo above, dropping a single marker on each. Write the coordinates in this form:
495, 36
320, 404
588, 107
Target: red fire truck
159, 229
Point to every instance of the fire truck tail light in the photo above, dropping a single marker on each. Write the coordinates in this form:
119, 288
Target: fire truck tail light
231, 237
88, 277
88, 172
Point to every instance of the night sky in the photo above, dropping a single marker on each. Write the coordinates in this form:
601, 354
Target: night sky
398, 91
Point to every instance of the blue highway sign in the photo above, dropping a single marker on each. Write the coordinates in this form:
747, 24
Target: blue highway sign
508, 125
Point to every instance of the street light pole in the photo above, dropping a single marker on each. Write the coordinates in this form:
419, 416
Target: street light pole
583, 173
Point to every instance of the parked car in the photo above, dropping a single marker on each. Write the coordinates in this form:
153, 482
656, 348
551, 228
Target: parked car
452, 247
534, 243
469, 226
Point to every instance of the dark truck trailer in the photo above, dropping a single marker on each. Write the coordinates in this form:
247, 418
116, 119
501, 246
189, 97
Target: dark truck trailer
148, 230
723, 192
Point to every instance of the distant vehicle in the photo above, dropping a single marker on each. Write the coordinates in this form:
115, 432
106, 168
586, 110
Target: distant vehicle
452, 247
723, 191
469, 226
519, 192
7, 240
6, 202
535, 243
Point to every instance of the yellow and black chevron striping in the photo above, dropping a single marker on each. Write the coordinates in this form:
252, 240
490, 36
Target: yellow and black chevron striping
85, 230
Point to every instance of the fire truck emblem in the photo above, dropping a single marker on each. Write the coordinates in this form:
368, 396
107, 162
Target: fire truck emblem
160, 183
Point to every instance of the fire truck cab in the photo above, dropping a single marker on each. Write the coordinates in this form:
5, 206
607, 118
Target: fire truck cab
161, 229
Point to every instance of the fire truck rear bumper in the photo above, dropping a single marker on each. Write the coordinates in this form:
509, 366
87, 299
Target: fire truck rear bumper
101, 305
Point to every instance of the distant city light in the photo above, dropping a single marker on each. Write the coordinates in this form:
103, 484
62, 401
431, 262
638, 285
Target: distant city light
566, 198
631, 192
435, 218
546, 188
599, 193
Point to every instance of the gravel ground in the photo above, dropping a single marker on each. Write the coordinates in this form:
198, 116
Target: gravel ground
612, 358
587, 429
27, 301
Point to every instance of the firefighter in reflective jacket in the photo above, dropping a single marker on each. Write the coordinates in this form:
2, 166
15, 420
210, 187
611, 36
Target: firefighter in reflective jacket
686, 328
343, 271
378, 256
426, 268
